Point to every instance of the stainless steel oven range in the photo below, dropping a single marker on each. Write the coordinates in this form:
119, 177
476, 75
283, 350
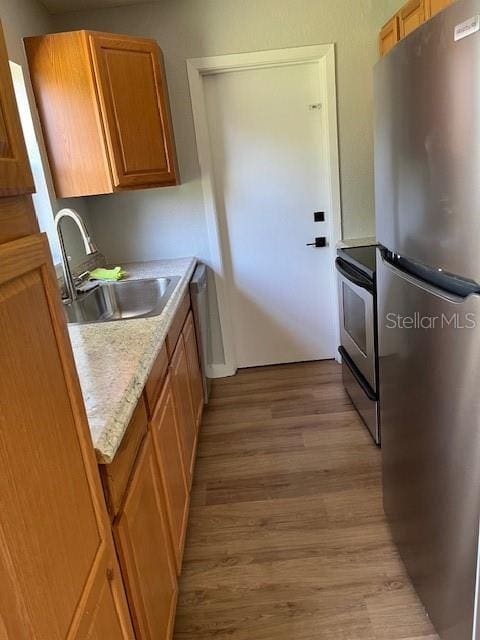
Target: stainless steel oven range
358, 331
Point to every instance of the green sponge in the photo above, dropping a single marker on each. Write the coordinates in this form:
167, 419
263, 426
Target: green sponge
117, 273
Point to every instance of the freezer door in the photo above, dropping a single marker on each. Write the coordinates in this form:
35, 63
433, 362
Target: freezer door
429, 373
427, 143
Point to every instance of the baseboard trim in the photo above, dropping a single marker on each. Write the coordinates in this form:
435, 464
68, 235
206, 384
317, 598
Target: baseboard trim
220, 371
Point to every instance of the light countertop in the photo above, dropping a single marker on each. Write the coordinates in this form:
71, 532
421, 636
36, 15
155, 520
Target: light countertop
114, 359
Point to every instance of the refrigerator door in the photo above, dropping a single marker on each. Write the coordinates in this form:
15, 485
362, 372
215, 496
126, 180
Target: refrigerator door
427, 143
429, 373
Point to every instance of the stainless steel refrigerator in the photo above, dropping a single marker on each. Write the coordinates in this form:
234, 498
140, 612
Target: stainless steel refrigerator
427, 189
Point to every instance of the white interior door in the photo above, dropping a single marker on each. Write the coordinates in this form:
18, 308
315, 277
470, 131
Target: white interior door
266, 133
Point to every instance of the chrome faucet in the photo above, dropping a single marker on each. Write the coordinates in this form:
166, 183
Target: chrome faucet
90, 248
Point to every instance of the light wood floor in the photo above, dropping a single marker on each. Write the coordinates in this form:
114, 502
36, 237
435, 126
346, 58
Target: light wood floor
287, 539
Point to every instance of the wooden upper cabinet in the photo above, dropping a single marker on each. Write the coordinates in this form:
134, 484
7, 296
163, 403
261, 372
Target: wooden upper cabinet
146, 556
15, 175
434, 6
105, 113
389, 36
411, 16
58, 569
134, 104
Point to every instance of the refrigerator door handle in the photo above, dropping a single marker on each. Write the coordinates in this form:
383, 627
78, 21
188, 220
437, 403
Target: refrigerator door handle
421, 284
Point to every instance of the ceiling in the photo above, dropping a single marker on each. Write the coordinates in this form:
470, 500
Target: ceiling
61, 6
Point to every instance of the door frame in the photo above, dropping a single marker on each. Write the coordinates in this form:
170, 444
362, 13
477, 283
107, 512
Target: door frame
197, 69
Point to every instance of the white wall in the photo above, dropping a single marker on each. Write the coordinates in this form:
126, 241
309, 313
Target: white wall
22, 18
169, 222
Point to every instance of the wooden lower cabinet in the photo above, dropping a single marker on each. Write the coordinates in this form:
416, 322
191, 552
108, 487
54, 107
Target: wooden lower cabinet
58, 569
147, 485
183, 404
194, 371
166, 439
101, 619
116, 475
145, 552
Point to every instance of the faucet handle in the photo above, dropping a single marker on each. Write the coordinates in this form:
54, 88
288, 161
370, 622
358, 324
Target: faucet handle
82, 276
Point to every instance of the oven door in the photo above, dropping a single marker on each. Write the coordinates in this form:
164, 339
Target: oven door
357, 324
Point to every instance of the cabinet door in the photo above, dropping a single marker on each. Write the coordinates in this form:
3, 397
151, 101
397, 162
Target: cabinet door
134, 102
434, 6
166, 439
411, 16
116, 475
100, 619
55, 540
15, 174
66, 97
389, 36
195, 374
145, 551
183, 405
17, 218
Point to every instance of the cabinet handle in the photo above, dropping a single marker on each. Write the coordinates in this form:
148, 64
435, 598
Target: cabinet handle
110, 574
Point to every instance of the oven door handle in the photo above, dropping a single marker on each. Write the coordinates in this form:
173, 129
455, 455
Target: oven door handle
352, 275
369, 392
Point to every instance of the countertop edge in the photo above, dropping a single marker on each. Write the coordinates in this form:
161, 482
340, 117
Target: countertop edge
107, 443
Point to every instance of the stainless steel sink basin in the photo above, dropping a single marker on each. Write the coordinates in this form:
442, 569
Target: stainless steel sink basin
122, 300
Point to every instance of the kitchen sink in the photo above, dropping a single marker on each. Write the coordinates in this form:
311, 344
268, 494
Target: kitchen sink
122, 300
